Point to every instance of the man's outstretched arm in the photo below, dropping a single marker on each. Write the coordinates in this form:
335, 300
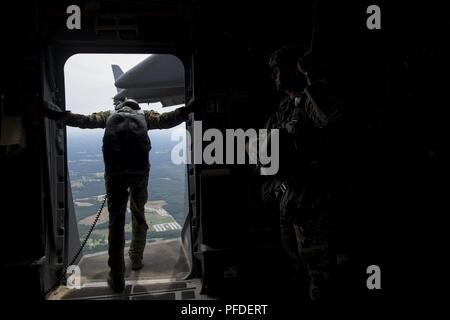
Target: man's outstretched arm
92, 121
95, 120
171, 119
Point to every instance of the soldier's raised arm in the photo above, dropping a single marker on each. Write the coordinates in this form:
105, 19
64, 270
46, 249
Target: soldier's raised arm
170, 119
322, 106
92, 121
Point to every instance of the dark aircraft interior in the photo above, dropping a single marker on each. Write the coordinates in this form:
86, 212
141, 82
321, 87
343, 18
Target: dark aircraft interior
392, 83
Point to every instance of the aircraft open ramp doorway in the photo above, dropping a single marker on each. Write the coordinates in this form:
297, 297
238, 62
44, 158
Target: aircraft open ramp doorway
95, 82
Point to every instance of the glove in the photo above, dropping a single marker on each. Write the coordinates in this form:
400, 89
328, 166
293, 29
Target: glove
52, 111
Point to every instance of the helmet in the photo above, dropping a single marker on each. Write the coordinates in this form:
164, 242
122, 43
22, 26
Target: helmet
286, 57
133, 104
284, 62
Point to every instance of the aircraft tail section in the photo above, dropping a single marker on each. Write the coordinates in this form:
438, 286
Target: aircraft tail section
117, 72
158, 78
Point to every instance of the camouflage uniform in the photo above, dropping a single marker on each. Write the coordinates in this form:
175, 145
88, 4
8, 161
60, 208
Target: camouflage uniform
120, 185
306, 124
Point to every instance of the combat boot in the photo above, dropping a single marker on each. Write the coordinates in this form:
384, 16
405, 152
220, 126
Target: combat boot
116, 283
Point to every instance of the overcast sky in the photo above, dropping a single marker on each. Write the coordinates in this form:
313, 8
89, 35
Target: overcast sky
89, 84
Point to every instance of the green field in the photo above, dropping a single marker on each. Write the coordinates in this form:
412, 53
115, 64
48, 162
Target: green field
98, 240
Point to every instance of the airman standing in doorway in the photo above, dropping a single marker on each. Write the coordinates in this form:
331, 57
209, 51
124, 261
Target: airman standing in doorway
126, 147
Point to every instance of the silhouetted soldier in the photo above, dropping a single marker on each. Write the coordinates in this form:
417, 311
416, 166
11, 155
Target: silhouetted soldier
303, 186
126, 147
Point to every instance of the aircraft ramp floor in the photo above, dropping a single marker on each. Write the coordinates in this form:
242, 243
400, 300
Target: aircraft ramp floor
161, 278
